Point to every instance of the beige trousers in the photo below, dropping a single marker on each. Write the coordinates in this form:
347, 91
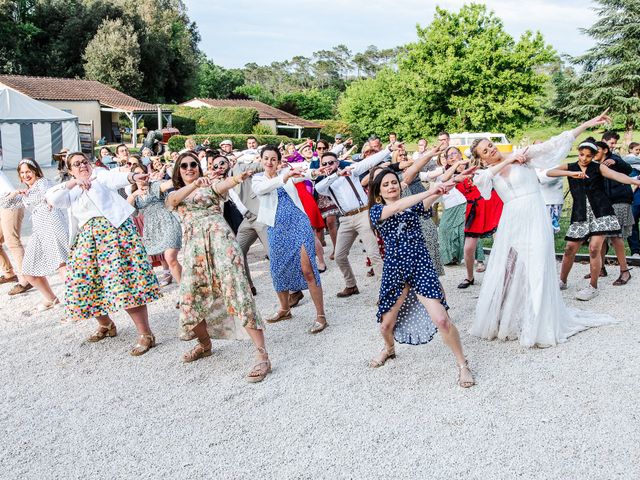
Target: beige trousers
350, 228
10, 226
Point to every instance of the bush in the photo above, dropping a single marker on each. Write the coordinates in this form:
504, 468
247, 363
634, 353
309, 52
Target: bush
331, 127
261, 129
205, 120
176, 143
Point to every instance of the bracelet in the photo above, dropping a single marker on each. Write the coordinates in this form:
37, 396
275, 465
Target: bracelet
130, 178
235, 180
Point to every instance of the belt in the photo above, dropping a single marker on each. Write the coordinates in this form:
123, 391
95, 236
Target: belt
355, 212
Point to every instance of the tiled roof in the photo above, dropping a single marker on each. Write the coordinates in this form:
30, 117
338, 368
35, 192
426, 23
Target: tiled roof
265, 112
48, 88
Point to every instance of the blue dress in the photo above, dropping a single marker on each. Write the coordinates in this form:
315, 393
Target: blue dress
407, 262
291, 231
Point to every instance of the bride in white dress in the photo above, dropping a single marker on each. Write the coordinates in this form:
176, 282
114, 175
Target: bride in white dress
520, 295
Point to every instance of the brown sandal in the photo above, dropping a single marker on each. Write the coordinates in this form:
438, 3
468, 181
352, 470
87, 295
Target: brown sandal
140, 348
467, 384
261, 369
103, 332
196, 353
317, 327
389, 353
619, 282
281, 315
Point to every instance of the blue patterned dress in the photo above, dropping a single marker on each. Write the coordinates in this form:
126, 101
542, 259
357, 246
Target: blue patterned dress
407, 262
291, 231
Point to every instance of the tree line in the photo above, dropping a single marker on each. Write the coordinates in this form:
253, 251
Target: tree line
463, 71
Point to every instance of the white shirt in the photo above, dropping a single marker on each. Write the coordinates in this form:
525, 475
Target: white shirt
267, 191
341, 190
101, 200
5, 185
451, 199
551, 188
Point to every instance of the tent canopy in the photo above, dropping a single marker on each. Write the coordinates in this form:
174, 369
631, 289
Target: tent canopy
32, 129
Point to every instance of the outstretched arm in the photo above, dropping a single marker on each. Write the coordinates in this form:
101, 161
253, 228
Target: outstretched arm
618, 177
594, 122
411, 172
428, 198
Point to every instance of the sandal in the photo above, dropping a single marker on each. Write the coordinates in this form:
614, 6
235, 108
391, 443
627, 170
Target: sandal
141, 348
466, 384
619, 282
386, 354
103, 332
261, 369
281, 315
603, 273
466, 283
317, 327
197, 352
48, 305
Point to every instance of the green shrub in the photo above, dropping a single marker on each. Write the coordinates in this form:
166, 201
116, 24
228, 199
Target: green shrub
176, 143
205, 120
331, 127
261, 129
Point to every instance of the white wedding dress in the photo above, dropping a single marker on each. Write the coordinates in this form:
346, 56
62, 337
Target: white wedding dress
520, 296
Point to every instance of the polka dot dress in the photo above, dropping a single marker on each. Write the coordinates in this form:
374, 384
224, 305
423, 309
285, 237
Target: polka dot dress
407, 262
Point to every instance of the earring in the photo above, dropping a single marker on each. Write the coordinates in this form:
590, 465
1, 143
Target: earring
378, 200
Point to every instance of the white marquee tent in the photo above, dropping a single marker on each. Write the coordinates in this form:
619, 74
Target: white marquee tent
32, 129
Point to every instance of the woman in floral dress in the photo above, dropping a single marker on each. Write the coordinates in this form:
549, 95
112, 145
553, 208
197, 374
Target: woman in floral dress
214, 289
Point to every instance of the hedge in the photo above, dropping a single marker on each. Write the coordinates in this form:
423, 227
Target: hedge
205, 120
176, 143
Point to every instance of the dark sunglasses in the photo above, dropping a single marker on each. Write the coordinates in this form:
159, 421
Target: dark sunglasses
80, 162
326, 164
321, 148
132, 164
222, 163
184, 166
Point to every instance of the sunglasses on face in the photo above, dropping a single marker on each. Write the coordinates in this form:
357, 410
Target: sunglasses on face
321, 148
184, 166
402, 155
222, 164
132, 164
453, 155
326, 164
79, 162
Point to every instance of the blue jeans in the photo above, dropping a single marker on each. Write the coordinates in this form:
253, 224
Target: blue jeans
634, 239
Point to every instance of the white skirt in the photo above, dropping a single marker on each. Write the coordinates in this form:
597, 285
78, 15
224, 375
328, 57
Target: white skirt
520, 296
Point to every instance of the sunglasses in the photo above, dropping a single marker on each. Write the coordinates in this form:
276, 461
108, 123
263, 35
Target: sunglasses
184, 166
326, 164
132, 164
321, 148
402, 155
80, 162
453, 155
215, 166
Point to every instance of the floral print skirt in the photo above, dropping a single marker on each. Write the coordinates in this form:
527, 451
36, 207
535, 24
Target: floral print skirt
108, 270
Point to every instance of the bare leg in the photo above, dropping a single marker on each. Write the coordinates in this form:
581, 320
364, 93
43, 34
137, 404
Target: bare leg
201, 333
283, 299
42, 285
450, 335
570, 250
62, 273
618, 246
171, 259
470, 244
595, 259
314, 289
386, 329
320, 254
140, 317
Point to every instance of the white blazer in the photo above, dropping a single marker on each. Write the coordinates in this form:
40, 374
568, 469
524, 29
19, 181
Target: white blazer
267, 191
103, 193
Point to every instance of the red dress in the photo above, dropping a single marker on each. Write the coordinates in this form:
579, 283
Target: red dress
310, 206
482, 216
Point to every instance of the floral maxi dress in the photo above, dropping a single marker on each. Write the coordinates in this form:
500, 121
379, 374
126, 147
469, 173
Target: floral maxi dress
214, 287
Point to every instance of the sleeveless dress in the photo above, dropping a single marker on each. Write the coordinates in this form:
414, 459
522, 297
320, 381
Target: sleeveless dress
407, 262
214, 287
520, 296
290, 232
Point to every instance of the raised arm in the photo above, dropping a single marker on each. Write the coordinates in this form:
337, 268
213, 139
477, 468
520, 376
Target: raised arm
427, 198
594, 122
177, 196
411, 172
222, 187
618, 177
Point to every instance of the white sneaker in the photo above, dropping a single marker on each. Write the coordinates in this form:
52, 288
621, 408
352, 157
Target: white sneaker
587, 293
636, 255
563, 285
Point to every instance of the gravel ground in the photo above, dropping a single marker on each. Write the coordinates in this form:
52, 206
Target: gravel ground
69, 409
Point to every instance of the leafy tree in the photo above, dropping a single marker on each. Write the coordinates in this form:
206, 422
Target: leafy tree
463, 73
611, 69
111, 61
216, 82
310, 104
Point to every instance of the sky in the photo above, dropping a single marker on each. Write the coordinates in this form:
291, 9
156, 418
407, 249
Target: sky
236, 32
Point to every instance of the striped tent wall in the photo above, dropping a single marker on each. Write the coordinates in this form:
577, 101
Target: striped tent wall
37, 140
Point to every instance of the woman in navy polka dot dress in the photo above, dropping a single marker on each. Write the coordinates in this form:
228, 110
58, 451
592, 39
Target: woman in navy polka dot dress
411, 298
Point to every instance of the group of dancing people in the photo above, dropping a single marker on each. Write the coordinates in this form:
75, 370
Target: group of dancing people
104, 228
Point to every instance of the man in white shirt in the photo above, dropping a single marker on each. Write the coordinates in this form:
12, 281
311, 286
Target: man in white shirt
346, 191
422, 149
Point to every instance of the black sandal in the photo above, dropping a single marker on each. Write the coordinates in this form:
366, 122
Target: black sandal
467, 283
619, 282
